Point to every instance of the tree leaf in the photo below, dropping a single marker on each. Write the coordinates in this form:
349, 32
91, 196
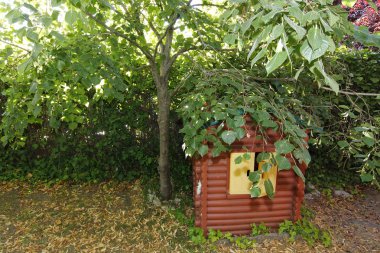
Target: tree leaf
240, 133
25, 66
298, 73
203, 150
32, 36
246, 156
255, 44
227, 14
46, 20
314, 38
302, 155
30, 7
238, 159
322, 49
333, 19
311, 16
332, 83
269, 188
299, 172
283, 147
269, 124
282, 162
266, 167
266, 18
255, 192
262, 157
277, 60
366, 177
368, 141
296, 12
277, 31
57, 35
254, 176
71, 17
246, 25
239, 121
301, 32
306, 51
229, 137
260, 55
325, 25
230, 38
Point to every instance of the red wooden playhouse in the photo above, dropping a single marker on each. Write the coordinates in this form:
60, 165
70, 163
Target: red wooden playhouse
221, 189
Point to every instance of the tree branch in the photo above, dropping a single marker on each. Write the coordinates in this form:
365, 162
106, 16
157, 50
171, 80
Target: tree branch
353, 93
15, 45
122, 35
267, 79
170, 26
211, 5
185, 50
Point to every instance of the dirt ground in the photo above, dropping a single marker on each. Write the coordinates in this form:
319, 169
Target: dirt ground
114, 217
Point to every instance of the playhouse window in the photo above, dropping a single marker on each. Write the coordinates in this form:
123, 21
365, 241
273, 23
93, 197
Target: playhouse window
238, 177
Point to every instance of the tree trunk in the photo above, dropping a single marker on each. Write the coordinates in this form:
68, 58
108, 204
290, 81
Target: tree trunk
163, 124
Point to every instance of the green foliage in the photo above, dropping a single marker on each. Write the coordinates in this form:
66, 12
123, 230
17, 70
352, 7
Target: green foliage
362, 35
197, 236
307, 231
97, 151
296, 34
214, 236
260, 229
351, 124
212, 115
244, 243
327, 193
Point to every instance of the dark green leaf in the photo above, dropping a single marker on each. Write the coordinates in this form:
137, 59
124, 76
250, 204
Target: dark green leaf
368, 141
366, 177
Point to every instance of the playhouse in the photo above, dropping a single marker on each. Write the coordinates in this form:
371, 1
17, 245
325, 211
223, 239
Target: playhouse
221, 188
